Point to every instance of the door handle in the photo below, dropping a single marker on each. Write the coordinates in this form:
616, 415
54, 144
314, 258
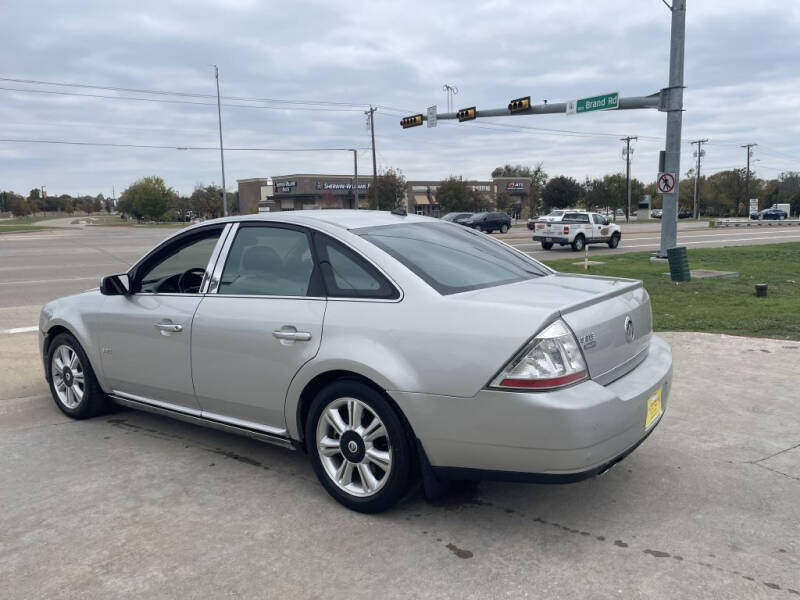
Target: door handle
171, 327
292, 334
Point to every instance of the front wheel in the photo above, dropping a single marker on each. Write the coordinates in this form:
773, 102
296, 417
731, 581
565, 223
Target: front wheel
72, 382
547, 245
614, 241
503, 228
359, 448
578, 243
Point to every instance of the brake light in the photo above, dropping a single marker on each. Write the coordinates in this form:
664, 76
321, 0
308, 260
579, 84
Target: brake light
551, 360
566, 229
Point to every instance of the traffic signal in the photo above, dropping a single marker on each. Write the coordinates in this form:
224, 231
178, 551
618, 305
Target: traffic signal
412, 121
467, 114
520, 104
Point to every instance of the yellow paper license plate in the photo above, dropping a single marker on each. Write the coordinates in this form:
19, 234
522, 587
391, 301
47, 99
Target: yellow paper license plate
653, 407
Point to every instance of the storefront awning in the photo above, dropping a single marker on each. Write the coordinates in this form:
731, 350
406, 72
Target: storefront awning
421, 199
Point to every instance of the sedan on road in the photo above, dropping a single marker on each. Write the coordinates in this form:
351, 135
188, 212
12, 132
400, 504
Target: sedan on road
350, 335
775, 214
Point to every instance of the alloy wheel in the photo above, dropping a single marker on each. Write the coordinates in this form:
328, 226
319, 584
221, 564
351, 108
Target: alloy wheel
354, 447
69, 379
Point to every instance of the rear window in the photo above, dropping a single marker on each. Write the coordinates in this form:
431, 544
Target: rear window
450, 258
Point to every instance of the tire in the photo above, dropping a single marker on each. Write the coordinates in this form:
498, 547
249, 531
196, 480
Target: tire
348, 453
578, 243
503, 228
782, 217
614, 241
67, 365
547, 245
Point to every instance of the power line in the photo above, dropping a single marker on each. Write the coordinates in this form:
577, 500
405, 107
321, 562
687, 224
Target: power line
164, 147
184, 94
167, 101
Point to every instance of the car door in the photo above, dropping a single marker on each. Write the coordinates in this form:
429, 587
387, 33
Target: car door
145, 336
599, 227
260, 322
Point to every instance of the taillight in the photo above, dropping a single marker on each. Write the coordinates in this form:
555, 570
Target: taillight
566, 229
551, 360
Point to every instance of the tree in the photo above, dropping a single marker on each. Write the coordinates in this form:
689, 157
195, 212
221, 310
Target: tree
207, 201
148, 197
513, 171
561, 192
389, 190
452, 195
502, 201
595, 193
17, 205
35, 200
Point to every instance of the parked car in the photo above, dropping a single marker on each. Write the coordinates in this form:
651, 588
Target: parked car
685, 214
773, 214
489, 222
351, 335
578, 229
656, 213
457, 217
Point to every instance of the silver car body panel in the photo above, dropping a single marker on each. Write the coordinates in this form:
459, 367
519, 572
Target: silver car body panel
434, 355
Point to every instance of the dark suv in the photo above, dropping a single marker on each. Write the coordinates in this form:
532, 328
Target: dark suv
489, 222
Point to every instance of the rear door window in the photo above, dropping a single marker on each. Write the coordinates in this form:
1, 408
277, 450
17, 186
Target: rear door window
347, 275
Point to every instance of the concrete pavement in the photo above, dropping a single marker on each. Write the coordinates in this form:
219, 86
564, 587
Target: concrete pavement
133, 505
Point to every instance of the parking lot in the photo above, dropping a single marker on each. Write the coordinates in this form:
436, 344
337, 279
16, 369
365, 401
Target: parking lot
136, 505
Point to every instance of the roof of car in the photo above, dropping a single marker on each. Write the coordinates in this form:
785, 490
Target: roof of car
344, 218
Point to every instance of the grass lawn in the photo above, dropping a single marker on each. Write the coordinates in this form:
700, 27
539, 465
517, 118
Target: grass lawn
117, 221
717, 305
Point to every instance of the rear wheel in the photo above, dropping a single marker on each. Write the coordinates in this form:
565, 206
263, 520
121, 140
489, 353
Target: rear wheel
359, 447
72, 381
504, 228
547, 245
614, 241
578, 243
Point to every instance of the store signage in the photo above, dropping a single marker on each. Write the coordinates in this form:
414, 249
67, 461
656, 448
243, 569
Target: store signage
481, 188
285, 186
324, 185
515, 185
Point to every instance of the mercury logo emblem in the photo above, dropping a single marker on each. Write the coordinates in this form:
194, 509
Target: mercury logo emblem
352, 446
630, 331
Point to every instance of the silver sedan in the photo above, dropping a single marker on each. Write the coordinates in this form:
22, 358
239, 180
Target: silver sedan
389, 347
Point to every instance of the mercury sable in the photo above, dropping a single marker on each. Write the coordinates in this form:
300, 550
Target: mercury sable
389, 347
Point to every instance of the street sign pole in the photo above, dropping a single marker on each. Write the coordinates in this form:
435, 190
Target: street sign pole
672, 104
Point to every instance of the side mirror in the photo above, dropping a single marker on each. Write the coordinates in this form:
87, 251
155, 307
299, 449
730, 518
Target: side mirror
115, 285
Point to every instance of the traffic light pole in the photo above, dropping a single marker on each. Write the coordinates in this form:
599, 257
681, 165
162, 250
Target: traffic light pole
672, 104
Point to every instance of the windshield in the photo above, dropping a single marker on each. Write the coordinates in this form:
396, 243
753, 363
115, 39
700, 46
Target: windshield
450, 258
479, 215
556, 213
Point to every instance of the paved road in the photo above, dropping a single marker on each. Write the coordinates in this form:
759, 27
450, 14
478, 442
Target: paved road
647, 237
132, 505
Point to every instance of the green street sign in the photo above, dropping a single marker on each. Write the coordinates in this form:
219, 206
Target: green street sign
602, 102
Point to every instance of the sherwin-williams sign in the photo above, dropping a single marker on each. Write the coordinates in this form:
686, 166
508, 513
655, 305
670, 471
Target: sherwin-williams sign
324, 185
603, 102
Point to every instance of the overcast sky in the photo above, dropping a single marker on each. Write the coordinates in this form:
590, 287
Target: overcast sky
742, 77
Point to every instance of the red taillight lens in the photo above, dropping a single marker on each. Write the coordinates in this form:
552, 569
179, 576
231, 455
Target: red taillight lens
551, 360
566, 229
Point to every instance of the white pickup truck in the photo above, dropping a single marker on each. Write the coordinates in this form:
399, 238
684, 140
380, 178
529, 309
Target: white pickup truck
577, 228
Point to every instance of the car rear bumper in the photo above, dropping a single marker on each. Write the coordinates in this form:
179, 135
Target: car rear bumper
563, 435
550, 238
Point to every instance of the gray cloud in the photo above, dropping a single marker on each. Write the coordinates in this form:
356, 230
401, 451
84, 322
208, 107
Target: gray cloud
741, 79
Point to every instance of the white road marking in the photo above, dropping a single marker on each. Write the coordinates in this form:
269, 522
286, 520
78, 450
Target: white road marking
18, 330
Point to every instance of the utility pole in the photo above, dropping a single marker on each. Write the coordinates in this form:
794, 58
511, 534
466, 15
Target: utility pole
699, 153
371, 116
355, 175
221, 152
747, 176
627, 151
450, 90
44, 195
672, 104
